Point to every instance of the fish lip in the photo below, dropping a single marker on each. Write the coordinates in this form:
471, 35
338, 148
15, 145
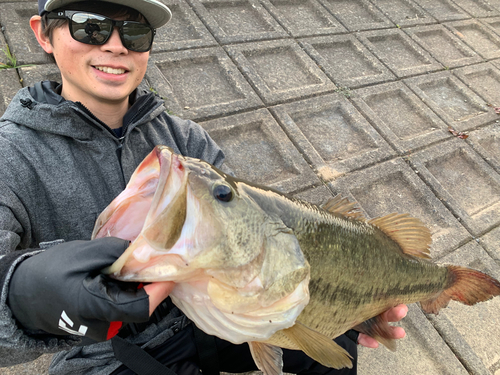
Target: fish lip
161, 155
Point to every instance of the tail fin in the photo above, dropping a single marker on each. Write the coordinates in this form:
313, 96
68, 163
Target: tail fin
469, 287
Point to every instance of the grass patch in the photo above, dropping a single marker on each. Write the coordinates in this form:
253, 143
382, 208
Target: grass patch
11, 60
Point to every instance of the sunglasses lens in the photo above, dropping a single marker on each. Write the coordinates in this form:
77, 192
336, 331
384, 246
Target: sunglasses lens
90, 28
136, 36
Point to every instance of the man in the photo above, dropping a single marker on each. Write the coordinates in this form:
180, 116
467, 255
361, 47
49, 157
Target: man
66, 150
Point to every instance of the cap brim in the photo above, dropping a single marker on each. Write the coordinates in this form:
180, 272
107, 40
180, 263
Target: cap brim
157, 13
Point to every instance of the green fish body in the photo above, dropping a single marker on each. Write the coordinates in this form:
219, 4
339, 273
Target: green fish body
253, 265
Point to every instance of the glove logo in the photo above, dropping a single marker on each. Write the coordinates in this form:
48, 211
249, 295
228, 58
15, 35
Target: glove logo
65, 323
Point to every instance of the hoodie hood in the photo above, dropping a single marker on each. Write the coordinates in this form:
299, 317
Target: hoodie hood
56, 115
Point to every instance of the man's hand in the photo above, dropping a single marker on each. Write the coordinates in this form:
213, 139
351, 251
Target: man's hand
392, 315
157, 292
62, 291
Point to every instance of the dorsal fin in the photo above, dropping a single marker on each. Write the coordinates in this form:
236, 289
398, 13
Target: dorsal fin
342, 205
410, 233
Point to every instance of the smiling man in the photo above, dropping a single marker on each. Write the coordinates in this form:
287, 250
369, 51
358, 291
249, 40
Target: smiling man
66, 151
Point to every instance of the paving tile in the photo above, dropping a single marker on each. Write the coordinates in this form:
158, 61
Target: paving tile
422, 351
39, 366
259, 151
9, 85
471, 331
357, 15
346, 61
200, 83
303, 17
452, 100
486, 142
445, 47
401, 54
331, 134
477, 36
477, 8
184, 30
3, 46
495, 4
237, 20
484, 79
32, 74
15, 17
443, 10
491, 243
492, 23
400, 116
393, 186
404, 13
318, 195
465, 183
279, 70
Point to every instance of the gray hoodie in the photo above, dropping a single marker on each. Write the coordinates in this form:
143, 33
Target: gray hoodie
60, 167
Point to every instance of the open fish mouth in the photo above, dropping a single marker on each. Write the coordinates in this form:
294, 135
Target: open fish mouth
135, 201
157, 249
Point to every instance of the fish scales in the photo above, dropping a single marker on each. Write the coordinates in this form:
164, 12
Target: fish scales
349, 263
252, 265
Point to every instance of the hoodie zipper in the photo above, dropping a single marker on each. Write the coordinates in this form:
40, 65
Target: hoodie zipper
121, 140
102, 126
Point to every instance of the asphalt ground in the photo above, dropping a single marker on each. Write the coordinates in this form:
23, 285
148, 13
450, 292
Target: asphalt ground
392, 103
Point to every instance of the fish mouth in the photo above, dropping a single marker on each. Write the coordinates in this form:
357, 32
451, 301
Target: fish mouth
162, 225
125, 216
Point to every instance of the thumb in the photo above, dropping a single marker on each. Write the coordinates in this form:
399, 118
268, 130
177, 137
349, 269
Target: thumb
157, 292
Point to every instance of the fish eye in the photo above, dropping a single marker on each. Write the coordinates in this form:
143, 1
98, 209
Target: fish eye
223, 193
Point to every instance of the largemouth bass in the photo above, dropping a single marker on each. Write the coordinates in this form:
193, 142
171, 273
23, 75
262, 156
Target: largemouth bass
253, 265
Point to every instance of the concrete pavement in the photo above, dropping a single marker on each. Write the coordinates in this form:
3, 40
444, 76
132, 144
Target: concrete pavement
368, 98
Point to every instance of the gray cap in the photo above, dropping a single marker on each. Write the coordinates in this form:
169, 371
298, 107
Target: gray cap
155, 11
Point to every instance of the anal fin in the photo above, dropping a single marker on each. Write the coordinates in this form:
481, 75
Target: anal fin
379, 329
318, 346
268, 358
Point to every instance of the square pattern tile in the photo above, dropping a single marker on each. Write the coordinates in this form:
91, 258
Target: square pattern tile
401, 54
404, 13
237, 20
259, 151
443, 10
464, 182
346, 61
357, 15
444, 46
280, 70
477, 36
331, 134
303, 17
15, 17
400, 116
452, 100
201, 83
184, 30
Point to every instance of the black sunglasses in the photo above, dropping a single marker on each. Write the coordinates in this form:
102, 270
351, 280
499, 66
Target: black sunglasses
91, 28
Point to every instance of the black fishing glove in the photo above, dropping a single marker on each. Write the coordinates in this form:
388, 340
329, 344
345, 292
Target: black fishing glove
61, 291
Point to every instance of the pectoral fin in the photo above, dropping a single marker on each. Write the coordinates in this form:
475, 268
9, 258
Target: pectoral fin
318, 346
379, 329
268, 358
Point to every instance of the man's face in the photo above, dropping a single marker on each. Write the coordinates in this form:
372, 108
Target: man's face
93, 73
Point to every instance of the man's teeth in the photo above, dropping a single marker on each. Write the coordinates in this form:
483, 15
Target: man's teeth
105, 69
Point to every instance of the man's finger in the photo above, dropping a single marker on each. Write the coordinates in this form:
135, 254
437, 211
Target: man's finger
396, 313
157, 292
